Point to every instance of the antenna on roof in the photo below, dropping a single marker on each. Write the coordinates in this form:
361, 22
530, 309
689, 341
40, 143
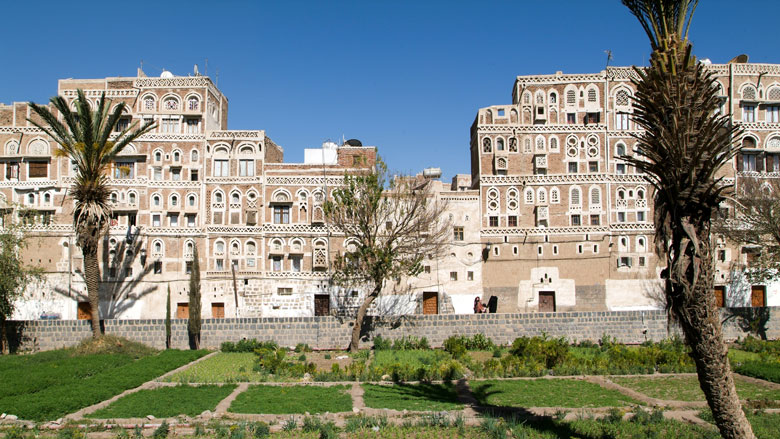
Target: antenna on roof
207, 67
609, 57
195, 70
217, 75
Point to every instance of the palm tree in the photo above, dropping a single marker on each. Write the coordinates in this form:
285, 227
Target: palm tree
684, 144
90, 140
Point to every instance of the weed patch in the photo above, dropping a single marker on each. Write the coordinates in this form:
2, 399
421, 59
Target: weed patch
293, 400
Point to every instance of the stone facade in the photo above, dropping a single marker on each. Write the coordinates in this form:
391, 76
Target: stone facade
568, 223
329, 332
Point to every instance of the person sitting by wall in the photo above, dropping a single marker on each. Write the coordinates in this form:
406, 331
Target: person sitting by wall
479, 307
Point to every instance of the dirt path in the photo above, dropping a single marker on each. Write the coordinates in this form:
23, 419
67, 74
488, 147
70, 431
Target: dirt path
224, 405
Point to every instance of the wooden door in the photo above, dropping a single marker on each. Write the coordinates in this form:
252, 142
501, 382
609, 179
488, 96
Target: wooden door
84, 311
546, 301
217, 310
321, 304
430, 302
720, 296
758, 296
183, 310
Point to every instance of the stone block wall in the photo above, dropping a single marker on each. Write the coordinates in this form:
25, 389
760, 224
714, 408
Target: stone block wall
334, 333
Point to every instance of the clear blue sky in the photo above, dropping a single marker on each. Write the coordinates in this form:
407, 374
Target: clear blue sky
406, 76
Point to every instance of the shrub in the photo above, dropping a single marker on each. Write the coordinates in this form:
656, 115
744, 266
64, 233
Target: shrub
382, 344
752, 344
327, 356
111, 344
455, 345
549, 351
410, 343
302, 347
769, 371
162, 431
248, 345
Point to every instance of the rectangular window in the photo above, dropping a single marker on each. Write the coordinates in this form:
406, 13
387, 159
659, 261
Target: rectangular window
188, 267
493, 221
621, 217
193, 125
593, 167
173, 220
156, 174
276, 263
748, 113
281, 214
295, 263
469, 275
571, 118
773, 114
246, 168
749, 162
592, 118
579, 248
170, 125
640, 216
37, 169
772, 163
124, 169
190, 220
624, 261
194, 175
220, 264
642, 261
453, 275
156, 220
458, 232
595, 220
620, 168
176, 174
555, 249
512, 220
122, 124
621, 121
573, 167
12, 170
221, 168
157, 267
595, 248
284, 291
427, 269
576, 220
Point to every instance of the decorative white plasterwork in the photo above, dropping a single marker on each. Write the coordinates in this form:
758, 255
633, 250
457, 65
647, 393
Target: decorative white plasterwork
304, 181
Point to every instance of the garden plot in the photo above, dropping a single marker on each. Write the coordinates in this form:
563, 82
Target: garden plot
419, 397
279, 400
166, 402
686, 388
557, 392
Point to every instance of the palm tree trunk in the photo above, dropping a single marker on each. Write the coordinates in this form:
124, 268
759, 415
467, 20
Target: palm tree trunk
354, 345
3, 338
92, 276
700, 321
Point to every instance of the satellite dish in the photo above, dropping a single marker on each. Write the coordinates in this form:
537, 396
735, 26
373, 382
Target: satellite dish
197, 73
739, 59
166, 74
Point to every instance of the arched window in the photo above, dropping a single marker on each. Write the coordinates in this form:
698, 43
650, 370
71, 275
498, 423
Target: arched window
235, 198
194, 155
555, 196
620, 150
553, 144
512, 201
574, 196
592, 97
622, 98
539, 143
155, 200
553, 98
641, 244
158, 156
541, 196
251, 248
131, 198
218, 198
640, 194
193, 103
749, 142
595, 196
749, 93
571, 97
191, 200
486, 145
149, 103
176, 156
235, 248
219, 247
30, 199
114, 197
499, 144
773, 94
492, 199
171, 104
529, 196
47, 198
157, 247
174, 200
621, 194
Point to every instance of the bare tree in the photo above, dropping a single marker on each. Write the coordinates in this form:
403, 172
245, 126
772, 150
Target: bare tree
390, 225
193, 322
684, 144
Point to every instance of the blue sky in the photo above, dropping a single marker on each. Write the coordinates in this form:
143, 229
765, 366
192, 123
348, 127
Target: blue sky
405, 76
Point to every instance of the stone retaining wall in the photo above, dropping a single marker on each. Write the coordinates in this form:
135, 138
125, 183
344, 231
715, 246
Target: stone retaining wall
334, 333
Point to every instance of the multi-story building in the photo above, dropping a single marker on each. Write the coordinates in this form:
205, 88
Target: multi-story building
550, 219
566, 223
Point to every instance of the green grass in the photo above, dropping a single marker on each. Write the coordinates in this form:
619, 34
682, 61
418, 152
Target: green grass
52, 384
765, 425
412, 397
686, 388
224, 367
292, 399
166, 402
547, 393
737, 356
765, 370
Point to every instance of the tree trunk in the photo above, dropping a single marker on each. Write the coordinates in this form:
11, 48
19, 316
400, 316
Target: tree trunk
92, 276
4, 338
693, 304
354, 345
